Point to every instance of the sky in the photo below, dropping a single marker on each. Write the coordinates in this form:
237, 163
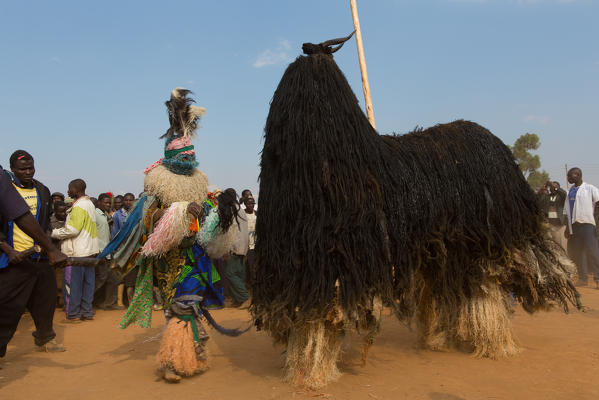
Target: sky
83, 85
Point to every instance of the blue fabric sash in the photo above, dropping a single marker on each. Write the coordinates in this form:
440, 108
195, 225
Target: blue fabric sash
132, 221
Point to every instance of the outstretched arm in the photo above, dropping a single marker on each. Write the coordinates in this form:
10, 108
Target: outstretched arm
73, 225
29, 225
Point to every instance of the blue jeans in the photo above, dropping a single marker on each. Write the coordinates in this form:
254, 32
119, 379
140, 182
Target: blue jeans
583, 248
78, 285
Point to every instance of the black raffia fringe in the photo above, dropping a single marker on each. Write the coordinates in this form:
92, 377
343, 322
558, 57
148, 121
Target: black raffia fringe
385, 215
461, 211
321, 208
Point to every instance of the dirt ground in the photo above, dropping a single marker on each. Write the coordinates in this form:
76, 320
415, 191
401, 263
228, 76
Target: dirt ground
560, 360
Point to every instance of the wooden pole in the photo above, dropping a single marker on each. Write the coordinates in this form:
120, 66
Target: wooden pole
566, 176
365, 85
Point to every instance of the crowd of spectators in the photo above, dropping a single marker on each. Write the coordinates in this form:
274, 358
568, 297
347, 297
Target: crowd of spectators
81, 226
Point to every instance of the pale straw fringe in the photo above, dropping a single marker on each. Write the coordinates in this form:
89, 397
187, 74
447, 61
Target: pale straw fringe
169, 187
312, 354
177, 349
172, 228
482, 323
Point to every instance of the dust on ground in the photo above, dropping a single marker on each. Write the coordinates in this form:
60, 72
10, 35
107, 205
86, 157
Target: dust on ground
560, 360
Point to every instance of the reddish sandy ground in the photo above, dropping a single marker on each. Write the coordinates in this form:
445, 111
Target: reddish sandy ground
560, 360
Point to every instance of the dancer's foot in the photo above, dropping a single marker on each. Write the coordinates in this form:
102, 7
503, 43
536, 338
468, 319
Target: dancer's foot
171, 376
51, 347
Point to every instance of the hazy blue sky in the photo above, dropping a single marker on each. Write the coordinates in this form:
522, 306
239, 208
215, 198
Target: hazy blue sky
82, 84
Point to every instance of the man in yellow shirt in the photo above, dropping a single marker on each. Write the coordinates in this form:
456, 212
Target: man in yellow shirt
20, 239
28, 282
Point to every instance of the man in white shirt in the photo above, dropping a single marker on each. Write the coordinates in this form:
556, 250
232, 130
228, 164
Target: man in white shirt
235, 272
79, 239
250, 214
583, 244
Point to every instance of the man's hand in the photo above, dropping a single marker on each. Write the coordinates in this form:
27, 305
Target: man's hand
195, 209
567, 234
57, 258
14, 257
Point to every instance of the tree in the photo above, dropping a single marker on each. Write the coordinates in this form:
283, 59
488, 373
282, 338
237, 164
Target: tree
529, 164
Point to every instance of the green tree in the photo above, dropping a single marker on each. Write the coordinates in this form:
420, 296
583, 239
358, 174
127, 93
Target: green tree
530, 163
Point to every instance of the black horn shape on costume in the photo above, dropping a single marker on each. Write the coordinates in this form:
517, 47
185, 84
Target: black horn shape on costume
326, 47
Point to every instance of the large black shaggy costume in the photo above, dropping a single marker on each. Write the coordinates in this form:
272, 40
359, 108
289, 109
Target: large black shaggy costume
438, 223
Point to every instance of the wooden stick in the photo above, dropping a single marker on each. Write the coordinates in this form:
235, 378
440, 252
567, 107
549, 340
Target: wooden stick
86, 261
29, 252
365, 85
79, 261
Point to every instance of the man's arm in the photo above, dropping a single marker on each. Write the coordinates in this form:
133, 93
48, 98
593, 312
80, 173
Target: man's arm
73, 225
29, 225
65, 232
12, 204
595, 194
14, 208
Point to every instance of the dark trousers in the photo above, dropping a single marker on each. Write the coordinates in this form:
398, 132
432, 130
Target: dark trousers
583, 248
129, 281
131, 277
78, 286
250, 259
106, 286
235, 274
220, 266
30, 285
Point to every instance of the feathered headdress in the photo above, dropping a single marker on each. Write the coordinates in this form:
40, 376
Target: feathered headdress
179, 153
182, 116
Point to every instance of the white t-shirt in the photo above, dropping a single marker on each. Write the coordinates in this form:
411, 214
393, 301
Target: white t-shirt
252, 228
241, 245
584, 205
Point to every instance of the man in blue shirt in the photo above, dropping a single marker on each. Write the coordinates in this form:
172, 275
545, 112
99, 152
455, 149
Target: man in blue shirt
120, 216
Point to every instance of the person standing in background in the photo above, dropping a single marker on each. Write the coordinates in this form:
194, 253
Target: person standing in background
120, 216
57, 196
251, 219
554, 210
56, 222
106, 285
79, 239
579, 208
117, 204
235, 271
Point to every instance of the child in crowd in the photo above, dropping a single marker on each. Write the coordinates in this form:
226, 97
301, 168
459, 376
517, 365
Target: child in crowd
57, 220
